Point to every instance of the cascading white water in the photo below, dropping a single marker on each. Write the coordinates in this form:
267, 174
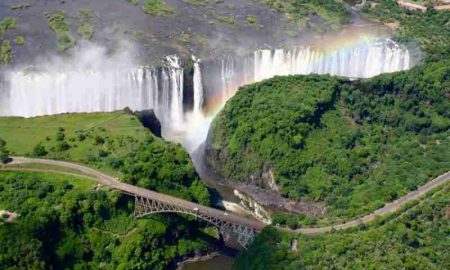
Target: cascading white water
362, 60
32, 94
365, 60
198, 86
53, 92
106, 88
176, 86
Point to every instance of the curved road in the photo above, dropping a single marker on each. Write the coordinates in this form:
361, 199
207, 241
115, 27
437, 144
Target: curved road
133, 190
385, 210
227, 216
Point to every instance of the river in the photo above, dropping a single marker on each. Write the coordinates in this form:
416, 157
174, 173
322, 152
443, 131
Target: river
220, 262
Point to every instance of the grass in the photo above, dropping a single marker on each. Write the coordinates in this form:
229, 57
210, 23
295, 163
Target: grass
58, 24
96, 139
23, 134
157, 8
40, 166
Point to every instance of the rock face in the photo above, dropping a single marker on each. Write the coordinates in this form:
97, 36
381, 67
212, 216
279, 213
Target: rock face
188, 85
150, 121
260, 194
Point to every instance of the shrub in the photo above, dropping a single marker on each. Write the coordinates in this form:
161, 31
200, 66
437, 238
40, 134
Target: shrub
19, 40
6, 53
157, 8
39, 150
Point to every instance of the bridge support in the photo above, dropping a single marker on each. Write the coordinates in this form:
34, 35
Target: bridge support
145, 206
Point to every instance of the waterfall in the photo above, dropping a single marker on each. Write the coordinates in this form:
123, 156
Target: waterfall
175, 78
361, 60
198, 86
365, 60
99, 90
108, 88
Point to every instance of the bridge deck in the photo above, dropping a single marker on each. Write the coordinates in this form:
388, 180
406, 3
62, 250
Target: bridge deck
133, 190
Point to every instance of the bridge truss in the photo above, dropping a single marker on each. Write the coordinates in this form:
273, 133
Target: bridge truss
145, 206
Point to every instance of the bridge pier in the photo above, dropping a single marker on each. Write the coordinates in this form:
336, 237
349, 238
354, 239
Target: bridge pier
146, 206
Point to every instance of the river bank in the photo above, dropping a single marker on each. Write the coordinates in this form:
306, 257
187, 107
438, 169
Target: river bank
215, 260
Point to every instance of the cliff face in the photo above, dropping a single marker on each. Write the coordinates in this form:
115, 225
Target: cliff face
149, 120
321, 138
265, 123
260, 175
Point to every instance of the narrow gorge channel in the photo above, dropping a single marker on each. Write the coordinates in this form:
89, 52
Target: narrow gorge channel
186, 101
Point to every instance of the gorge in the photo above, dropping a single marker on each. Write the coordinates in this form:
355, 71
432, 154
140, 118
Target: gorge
185, 113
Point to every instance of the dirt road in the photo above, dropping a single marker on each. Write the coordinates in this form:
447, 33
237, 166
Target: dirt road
227, 216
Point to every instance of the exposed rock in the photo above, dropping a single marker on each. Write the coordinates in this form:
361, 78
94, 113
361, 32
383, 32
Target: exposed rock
260, 194
294, 244
254, 207
188, 84
273, 199
150, 121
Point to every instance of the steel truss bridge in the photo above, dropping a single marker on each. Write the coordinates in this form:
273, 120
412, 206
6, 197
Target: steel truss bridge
147, 206
149, 202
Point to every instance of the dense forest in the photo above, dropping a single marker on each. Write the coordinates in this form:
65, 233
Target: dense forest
66, 222
116, 143
353, 145
417, 239
380, 138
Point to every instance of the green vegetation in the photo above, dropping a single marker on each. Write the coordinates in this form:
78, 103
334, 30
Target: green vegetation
86, 27
7, 24
157, 8
4, 152
20, 6
377, 140
86, 30
251, 19
69, 223
299, 11
225, 19
430, 29
19, 40
354, 146
85, 14
59, 25
113, 142
6, 53
184, 38
418, 239
196, 2
134, 2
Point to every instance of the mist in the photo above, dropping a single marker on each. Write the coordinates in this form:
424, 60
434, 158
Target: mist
95, 79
